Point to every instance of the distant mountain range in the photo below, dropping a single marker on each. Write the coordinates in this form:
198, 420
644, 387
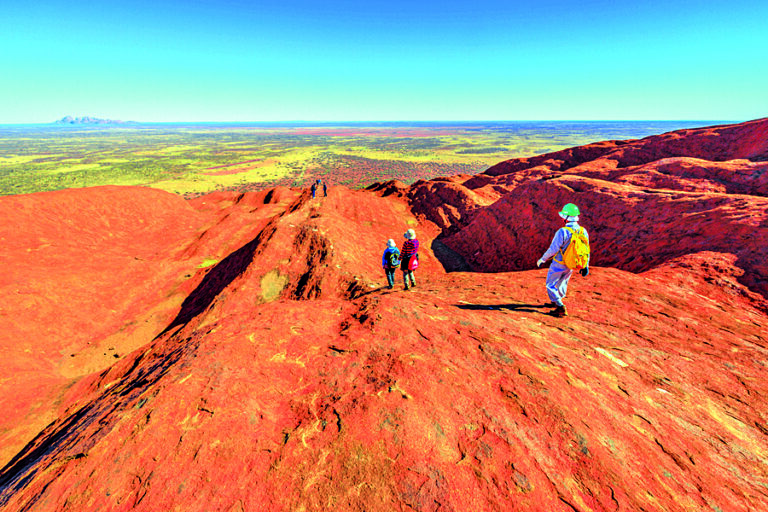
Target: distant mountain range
90, 120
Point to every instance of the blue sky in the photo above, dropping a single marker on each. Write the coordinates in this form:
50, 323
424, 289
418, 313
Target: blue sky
289, 60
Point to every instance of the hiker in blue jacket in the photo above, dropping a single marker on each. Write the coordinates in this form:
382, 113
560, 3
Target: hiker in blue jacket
559, 274
390, 261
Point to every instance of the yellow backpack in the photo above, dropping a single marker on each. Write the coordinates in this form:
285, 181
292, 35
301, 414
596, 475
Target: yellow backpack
576, 255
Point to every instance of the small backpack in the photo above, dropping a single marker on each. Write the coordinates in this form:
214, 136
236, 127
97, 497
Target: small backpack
413, 263
576, 255
394, 259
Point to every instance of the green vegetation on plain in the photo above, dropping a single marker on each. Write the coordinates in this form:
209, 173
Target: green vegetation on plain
199, 159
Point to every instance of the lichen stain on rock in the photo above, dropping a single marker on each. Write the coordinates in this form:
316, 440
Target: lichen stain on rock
272, 285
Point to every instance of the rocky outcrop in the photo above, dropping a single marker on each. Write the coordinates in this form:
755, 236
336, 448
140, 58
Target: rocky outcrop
641, 211
747, 141
241, 352
631, 228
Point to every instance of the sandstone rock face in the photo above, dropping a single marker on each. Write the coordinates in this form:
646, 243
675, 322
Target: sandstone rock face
241, 352
640, 212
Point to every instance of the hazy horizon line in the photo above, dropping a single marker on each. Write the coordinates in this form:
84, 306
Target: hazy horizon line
374, 122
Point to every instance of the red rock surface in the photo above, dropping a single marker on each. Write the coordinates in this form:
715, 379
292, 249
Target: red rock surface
238, 352
639, 215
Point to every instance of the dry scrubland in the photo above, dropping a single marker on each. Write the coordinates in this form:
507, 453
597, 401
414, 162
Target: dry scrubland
191, 160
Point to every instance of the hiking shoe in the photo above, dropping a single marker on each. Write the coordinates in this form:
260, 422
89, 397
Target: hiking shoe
560, 312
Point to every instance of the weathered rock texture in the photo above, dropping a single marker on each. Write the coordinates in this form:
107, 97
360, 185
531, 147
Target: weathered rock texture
239, 352
643, 203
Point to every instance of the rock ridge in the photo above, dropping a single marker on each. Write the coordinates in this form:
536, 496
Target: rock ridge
241, 352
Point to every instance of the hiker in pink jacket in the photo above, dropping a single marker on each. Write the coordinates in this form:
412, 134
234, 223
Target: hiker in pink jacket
410, 251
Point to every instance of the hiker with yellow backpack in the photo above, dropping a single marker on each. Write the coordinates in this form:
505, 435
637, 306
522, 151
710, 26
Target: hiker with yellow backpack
570, 248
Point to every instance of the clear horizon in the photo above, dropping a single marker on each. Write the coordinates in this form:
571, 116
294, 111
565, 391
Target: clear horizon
234, 61
374, 122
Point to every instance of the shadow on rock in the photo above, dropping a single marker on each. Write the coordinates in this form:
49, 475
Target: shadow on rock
220, 276
524, 308
70, 438
449, 259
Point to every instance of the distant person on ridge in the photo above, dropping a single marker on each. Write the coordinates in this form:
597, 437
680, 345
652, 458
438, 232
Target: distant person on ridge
570, 248
314, 189
390, 261
325, 190
410, 258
